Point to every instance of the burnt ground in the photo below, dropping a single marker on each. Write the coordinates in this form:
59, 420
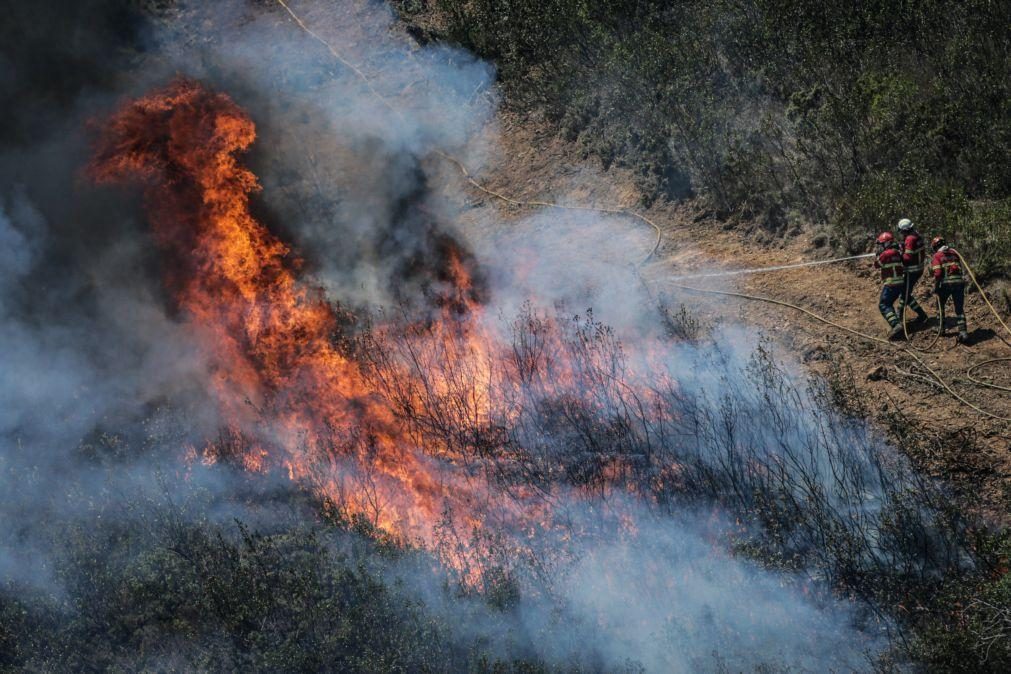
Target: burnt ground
943, 436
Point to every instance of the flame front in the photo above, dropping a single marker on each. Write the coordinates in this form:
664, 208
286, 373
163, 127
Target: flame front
270, 338
359, 431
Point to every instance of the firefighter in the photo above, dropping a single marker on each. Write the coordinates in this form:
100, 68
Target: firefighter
914, 258
949, 281
893, 280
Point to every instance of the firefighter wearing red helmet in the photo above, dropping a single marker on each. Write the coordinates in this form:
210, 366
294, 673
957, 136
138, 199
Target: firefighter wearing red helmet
914, 259
949, 281
893, 280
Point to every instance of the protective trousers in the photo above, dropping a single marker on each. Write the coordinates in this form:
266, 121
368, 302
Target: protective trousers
907, 299
890, 293
956, 291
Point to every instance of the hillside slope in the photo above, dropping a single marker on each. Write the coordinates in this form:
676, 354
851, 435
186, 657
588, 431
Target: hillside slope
944, 436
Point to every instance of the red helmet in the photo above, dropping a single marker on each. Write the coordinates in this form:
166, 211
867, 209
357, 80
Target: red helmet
886, 238
936, 243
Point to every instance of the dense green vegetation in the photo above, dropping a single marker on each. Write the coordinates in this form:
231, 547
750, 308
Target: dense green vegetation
776, 111
773, 112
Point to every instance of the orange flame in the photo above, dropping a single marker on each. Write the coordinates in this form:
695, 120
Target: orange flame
291, 396
270, 337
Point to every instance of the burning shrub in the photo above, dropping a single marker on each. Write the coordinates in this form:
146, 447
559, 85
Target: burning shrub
815, 490
510, 450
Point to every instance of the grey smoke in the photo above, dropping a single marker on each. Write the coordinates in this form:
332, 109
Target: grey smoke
356, 187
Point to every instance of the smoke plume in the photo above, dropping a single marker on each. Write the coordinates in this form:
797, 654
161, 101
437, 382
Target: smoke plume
631, 544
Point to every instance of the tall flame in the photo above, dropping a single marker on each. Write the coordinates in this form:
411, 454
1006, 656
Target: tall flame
271, 338
287, 389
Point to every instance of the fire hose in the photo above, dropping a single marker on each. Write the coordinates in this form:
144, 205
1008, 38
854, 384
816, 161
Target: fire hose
993, 310
618, 210
909, 351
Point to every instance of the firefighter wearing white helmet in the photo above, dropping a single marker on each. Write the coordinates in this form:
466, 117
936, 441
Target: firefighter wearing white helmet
914, 258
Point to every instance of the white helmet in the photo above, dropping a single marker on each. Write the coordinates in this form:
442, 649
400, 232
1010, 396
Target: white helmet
905, 224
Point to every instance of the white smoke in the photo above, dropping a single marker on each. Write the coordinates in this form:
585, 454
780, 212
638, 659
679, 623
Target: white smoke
352, 168
351, 175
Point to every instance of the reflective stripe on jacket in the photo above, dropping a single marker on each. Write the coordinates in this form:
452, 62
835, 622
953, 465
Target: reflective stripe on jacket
915, 253
946, 266
889, 261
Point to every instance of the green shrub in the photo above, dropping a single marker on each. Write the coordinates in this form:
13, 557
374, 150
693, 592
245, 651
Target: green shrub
164, 589
765, 108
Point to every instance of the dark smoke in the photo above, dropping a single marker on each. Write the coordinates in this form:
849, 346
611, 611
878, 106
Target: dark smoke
54, 53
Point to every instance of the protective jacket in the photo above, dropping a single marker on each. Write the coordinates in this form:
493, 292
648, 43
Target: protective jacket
889, 261
947, 267
914, 253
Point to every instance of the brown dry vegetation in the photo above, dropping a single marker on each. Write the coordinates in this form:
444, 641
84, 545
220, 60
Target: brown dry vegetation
942, 436
948, 440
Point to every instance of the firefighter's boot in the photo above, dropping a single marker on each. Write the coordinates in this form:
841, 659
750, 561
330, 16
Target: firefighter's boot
921, 315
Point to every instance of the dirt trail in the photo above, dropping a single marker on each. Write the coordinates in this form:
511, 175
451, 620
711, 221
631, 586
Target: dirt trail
969, 450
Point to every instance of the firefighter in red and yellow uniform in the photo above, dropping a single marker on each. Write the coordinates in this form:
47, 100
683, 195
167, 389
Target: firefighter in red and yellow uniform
949, 281
914, 259
893, 280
